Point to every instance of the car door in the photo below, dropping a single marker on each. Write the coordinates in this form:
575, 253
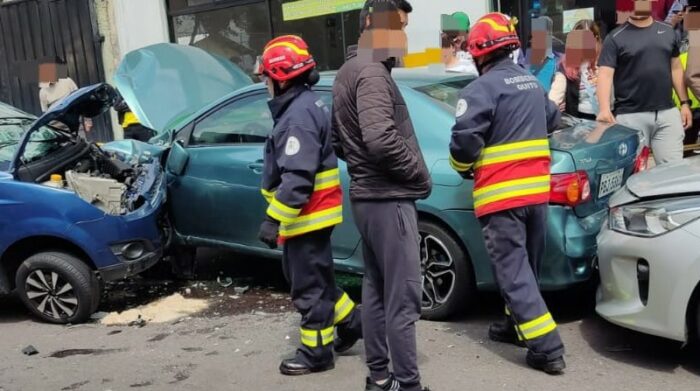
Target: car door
215, 172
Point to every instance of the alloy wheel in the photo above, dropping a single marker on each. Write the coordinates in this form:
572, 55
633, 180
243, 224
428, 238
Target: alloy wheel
51, 294
438, 270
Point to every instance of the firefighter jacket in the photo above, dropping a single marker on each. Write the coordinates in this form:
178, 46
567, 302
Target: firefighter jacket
301, 180
503, 119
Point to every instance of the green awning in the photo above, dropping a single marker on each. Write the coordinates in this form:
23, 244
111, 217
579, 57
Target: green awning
303, 9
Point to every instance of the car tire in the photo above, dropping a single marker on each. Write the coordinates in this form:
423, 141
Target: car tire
58, 287
448, 277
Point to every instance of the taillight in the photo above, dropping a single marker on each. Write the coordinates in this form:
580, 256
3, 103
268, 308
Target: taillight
642, 162
570, 189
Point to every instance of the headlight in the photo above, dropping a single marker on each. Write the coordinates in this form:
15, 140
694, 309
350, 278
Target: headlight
649, 219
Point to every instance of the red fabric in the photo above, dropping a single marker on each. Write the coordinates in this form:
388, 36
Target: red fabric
659, 8
512, 203
319, 201
322, 200
502, 172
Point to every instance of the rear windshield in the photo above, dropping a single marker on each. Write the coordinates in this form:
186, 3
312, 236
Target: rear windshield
446, 92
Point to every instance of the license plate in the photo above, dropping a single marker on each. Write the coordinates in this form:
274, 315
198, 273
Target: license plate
610, 182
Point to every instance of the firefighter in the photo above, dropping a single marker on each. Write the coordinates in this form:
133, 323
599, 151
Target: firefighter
302, 185
500, 138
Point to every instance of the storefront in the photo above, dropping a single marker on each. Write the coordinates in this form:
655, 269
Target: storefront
564, 13
238, 29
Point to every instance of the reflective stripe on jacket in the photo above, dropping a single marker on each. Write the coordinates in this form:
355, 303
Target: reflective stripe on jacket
501, 133
301, 179
694, 100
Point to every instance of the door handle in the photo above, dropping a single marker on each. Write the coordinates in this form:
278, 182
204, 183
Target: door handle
257, 166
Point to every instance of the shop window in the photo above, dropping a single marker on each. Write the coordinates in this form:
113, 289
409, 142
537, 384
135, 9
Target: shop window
237, 33
328, 36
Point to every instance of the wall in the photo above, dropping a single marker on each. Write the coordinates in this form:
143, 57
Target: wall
140, 23
424, 26
127, 25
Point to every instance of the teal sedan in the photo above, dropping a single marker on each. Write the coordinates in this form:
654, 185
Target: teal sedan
212, 122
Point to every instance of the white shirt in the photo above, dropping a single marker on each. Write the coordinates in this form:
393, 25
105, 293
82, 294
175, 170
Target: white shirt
465, 65
51, 93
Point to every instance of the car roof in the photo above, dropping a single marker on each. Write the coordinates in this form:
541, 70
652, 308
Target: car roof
414, 77
407, 77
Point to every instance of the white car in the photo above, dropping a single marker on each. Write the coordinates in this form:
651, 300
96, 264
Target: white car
649, 253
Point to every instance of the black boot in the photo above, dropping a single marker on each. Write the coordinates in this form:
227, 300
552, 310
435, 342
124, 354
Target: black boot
346, 339
540, 362
348, 332
505, 332
295, 367
391, 385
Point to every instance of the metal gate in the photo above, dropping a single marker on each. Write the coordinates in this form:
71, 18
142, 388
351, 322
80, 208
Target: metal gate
33, 30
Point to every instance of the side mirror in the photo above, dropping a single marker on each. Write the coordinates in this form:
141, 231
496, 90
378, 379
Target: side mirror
177, 161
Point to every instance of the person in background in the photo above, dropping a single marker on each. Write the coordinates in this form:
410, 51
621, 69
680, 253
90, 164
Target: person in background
641, 59
54, 85
542, 59
692, 67
575, 83
133, 129
455, 29
451, 58
659, 9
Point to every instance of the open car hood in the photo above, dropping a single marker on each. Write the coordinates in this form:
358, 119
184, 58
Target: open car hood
667, 180
86, 102
7, 111
166, 82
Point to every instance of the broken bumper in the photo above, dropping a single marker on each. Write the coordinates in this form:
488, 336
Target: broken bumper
127, 268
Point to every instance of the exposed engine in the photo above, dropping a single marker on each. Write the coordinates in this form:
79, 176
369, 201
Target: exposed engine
110, 184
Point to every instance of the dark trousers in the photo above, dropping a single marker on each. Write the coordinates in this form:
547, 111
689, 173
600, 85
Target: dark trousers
515, 240
138, 132
307, 263
391, 289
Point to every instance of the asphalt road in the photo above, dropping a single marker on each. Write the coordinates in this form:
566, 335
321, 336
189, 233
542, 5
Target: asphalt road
227, 351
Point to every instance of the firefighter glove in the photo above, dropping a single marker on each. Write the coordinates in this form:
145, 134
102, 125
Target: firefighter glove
269, 232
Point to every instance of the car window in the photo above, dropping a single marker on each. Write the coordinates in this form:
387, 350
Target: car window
244, 121
445, 92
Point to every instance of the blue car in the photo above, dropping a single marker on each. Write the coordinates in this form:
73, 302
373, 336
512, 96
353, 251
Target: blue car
72, 216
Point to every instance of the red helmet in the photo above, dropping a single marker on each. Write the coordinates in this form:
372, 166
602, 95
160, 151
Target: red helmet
285, 58
492, 32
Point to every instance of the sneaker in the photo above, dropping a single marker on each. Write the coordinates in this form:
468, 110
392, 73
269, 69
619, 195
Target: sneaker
505, 332
294, 367
551, 367
391, 385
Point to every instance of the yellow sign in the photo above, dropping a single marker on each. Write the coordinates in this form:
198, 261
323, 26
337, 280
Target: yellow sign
303, 9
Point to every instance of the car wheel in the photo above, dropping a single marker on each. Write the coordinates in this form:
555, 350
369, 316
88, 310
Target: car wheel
448, 282
58, 287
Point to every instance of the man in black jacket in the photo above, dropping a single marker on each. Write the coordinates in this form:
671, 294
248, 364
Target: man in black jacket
372, 132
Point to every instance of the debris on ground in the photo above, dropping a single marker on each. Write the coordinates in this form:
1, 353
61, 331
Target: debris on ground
225, 282
139, 322
240, 290
163, 310
98, 315
30, 351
